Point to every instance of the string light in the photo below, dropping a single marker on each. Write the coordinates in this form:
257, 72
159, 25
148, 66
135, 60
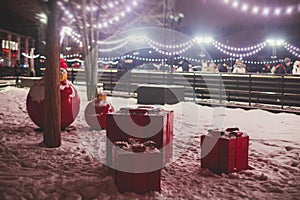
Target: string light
113, 41
111, 5
158, 46
292, 49
188, 59
114, 48
179, 49
253, 49
238, 49
265, 11
75, 60
29, 56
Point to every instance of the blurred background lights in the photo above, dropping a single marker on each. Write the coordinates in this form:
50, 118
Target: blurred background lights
256, 8
42, 17
110, 6
245, 7
274, 42
235, 4
277, 11
266, 11
289, 10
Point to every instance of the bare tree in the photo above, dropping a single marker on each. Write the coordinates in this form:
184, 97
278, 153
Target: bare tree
87, 14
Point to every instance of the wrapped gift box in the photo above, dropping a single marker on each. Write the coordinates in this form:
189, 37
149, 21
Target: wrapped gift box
224, 152
144, 123
136, 172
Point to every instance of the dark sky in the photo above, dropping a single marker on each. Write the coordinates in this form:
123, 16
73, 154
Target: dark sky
221, 21
201, 17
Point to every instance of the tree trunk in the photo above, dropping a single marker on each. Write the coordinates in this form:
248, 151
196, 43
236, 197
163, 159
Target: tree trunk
91, 69
52, 129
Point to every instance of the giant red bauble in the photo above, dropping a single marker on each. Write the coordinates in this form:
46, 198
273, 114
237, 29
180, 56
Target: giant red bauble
70, 103
95, 113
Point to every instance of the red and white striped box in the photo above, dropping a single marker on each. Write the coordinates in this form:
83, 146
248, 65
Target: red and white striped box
141, 123
136, 172
225, 153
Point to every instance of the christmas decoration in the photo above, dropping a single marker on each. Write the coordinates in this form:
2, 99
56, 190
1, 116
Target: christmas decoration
70, 101
143, 123
134, 162
225, 151
95, 112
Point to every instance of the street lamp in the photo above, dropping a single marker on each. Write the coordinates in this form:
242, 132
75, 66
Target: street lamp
274, 44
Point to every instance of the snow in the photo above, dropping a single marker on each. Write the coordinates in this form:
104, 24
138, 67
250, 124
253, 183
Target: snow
75, 170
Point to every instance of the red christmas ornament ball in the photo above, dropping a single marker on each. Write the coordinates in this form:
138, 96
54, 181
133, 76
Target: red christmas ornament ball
70, 103
95, 113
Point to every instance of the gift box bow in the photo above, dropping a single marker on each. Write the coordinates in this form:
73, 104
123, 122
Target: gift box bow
136, 146
229, 132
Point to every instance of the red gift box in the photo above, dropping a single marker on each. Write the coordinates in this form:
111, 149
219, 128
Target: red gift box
144, 123
224, 153
135, 172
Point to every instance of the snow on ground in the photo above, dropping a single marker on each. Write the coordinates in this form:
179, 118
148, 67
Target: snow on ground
75, 170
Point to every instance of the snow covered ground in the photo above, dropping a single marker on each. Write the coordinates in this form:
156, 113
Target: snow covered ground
28, 170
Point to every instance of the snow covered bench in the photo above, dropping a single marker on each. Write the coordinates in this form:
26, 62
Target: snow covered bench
159, 94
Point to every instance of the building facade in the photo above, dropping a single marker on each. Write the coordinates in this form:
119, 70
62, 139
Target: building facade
15, 47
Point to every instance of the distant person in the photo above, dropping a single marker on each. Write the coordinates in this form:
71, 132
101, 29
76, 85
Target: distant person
121, 66
284, 68
18, 70
204, 66
266, 68
296, 67
273, 68
185, 65
239, 67
222, 68
289, 67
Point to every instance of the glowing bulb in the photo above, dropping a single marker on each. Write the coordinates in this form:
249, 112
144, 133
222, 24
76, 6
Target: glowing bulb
134, 3
245, 7
289, 10
110, 4
255, 9
266, 11
94, 8
235, 4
